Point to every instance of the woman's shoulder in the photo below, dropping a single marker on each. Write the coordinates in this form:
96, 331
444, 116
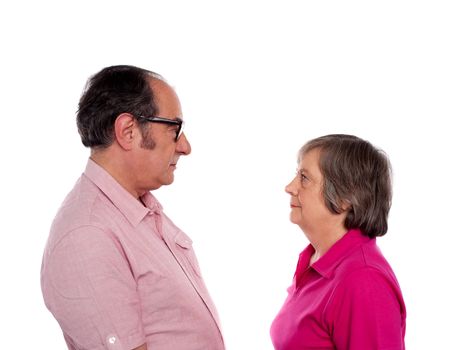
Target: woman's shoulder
364, 264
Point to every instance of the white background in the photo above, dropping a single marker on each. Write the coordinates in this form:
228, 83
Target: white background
256, 79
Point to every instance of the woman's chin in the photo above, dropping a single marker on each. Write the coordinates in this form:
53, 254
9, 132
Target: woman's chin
294, 218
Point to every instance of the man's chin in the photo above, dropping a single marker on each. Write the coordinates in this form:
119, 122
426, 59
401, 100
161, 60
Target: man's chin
169, 180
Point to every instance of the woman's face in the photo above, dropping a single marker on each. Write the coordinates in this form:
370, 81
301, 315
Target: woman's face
308, 209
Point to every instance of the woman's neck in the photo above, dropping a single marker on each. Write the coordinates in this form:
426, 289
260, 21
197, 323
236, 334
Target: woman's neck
323, 241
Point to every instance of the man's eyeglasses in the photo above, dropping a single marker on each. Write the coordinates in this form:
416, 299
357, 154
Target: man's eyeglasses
178, 122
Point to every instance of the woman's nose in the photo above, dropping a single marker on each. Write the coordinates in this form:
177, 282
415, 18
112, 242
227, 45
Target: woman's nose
291, 188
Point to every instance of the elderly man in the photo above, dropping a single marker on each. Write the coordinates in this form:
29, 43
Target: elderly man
117, 273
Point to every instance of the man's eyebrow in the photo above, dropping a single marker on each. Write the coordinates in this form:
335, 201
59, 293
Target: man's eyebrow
174, 119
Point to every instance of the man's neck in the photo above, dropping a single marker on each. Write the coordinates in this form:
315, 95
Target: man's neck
116, 168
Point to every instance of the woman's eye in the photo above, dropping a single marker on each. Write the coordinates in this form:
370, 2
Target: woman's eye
303, 177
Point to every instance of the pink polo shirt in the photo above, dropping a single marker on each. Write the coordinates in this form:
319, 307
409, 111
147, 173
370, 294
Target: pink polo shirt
117, 274
348, 299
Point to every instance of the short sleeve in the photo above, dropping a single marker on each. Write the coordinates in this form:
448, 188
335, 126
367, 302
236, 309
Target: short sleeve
365, 312
89, 288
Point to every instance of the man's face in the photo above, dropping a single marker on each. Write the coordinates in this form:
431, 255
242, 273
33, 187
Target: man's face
158, 153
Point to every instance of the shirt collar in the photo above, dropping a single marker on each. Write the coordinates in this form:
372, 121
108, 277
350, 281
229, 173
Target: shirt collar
129, 206
327, 264
303, 263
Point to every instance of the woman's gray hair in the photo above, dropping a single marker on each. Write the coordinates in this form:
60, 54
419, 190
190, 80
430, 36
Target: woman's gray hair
357, 179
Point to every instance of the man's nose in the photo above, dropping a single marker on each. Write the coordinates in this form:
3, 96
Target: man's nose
183, 145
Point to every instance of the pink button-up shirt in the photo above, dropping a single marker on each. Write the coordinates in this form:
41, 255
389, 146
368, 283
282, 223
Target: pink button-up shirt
349, 299
117, 273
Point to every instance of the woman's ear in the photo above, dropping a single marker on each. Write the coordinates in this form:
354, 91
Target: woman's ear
125, 131
345, 205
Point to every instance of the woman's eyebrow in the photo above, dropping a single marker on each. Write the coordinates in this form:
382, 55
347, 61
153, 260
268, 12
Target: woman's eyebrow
303, 170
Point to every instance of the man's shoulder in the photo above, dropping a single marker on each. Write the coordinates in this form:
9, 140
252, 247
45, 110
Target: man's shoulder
84, 206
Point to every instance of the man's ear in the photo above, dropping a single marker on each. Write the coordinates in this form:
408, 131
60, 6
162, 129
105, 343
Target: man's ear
125, 131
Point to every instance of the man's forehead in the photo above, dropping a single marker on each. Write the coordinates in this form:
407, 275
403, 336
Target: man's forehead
164, 95
159, 84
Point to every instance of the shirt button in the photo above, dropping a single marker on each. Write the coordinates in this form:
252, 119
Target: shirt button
111, 339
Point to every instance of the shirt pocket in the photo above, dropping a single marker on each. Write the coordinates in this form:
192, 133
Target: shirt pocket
184, 245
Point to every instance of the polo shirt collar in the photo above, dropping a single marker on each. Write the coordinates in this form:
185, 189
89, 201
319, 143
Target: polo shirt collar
129, 206
327, 264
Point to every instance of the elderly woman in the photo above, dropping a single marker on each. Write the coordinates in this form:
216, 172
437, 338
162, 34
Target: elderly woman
344, 293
